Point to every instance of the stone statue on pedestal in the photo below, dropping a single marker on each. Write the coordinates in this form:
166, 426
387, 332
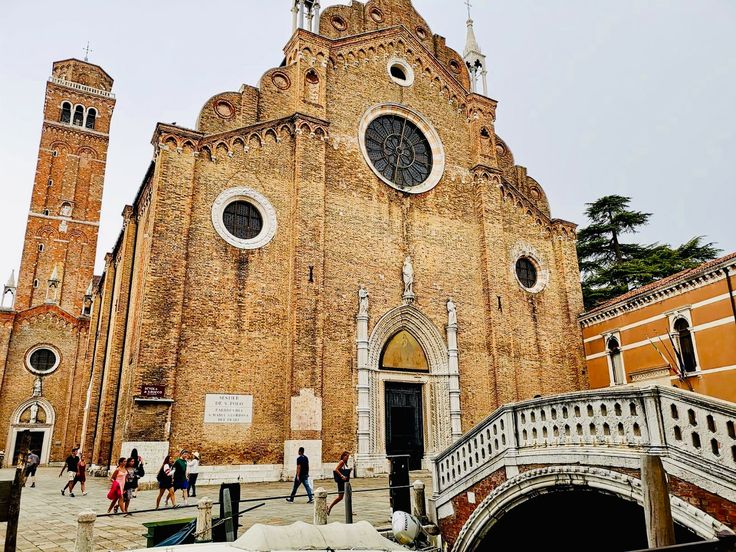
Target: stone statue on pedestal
451, 313
38, 387
34, 413
408, 273
362, 301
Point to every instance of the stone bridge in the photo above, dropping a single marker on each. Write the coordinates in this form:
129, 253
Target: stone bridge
587, 442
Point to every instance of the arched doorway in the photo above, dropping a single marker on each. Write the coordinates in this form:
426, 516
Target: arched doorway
404, 400
404, 358
35, 416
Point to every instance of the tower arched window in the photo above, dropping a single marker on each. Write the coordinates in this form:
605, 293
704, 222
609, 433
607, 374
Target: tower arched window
617, 366
687, 348
91, 118
66, 112
78, 116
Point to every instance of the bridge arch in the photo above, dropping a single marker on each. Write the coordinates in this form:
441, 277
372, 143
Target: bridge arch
533, 483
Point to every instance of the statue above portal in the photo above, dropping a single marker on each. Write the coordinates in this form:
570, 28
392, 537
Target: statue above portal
408, 272
362, 301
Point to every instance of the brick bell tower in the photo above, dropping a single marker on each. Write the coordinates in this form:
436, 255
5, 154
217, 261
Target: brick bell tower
63, 220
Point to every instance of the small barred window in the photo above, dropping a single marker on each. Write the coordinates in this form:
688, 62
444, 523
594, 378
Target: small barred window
526, 272
66, 112
43, 360
242, 220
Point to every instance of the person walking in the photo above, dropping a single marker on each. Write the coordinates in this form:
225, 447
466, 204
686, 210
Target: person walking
180, 475
302, 477
115, 494
140, 471
165, 484
341, 473
70, 466
32, 462
131, 482
81, 476
193, 470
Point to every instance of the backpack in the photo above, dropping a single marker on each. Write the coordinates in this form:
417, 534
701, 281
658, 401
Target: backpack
161, 476
140, 471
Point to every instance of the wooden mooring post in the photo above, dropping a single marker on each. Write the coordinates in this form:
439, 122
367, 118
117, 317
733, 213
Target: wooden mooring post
657, 507
10, 508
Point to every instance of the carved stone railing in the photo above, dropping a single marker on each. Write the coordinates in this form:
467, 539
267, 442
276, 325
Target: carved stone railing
82, 87
696, 433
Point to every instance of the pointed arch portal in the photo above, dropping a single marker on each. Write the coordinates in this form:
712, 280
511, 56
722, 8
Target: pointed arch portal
405, 385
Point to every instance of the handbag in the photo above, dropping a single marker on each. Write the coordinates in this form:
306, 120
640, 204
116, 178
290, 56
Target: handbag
140, 471
114, 491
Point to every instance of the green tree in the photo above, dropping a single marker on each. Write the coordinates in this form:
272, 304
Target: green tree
610, 266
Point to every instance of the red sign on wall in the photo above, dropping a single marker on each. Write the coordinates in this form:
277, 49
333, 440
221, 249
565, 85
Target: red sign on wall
153, 391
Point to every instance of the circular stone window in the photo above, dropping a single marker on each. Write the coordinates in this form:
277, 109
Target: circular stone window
402, 148
42, 360
224, 109
244, 218
281, 80
400, 72
376, 15
528, 270
339, 23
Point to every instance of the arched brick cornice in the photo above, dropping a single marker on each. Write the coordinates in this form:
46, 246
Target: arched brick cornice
48, 312
246, 138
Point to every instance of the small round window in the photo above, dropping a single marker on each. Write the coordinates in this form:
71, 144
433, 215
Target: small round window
42, 360
526, 272
400, 72
242, 220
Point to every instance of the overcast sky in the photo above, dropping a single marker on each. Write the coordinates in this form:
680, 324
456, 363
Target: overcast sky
634, 97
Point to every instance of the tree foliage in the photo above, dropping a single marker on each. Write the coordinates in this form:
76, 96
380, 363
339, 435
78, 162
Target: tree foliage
610, 266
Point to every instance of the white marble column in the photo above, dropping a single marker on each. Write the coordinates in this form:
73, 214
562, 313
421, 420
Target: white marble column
294, 17
454, 370
316, 8
301, 14
364, 397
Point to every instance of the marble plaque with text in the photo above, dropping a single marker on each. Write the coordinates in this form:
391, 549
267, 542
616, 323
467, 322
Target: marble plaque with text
228, 409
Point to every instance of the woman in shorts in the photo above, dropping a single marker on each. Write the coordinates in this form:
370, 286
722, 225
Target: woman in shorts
165, 484
341, 474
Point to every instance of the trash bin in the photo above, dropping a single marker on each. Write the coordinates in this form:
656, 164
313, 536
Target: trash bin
399, 477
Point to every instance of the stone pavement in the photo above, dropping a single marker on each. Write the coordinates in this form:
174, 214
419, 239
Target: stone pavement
48, 520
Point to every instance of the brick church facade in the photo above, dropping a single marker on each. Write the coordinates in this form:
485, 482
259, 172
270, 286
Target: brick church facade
345, 257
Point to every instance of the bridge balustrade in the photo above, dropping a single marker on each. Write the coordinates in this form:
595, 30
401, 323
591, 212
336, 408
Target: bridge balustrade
692, 429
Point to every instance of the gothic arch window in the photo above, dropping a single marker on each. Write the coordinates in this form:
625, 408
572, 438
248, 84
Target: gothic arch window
311, 86
613, 348
684, 337
66, 209
78, 116
66, 113
91, 118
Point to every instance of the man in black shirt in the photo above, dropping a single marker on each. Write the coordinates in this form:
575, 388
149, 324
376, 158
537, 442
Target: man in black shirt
302, 476
70, 466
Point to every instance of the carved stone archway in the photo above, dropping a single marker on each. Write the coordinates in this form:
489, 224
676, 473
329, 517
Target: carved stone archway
441, 385
18, 426
530, 484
